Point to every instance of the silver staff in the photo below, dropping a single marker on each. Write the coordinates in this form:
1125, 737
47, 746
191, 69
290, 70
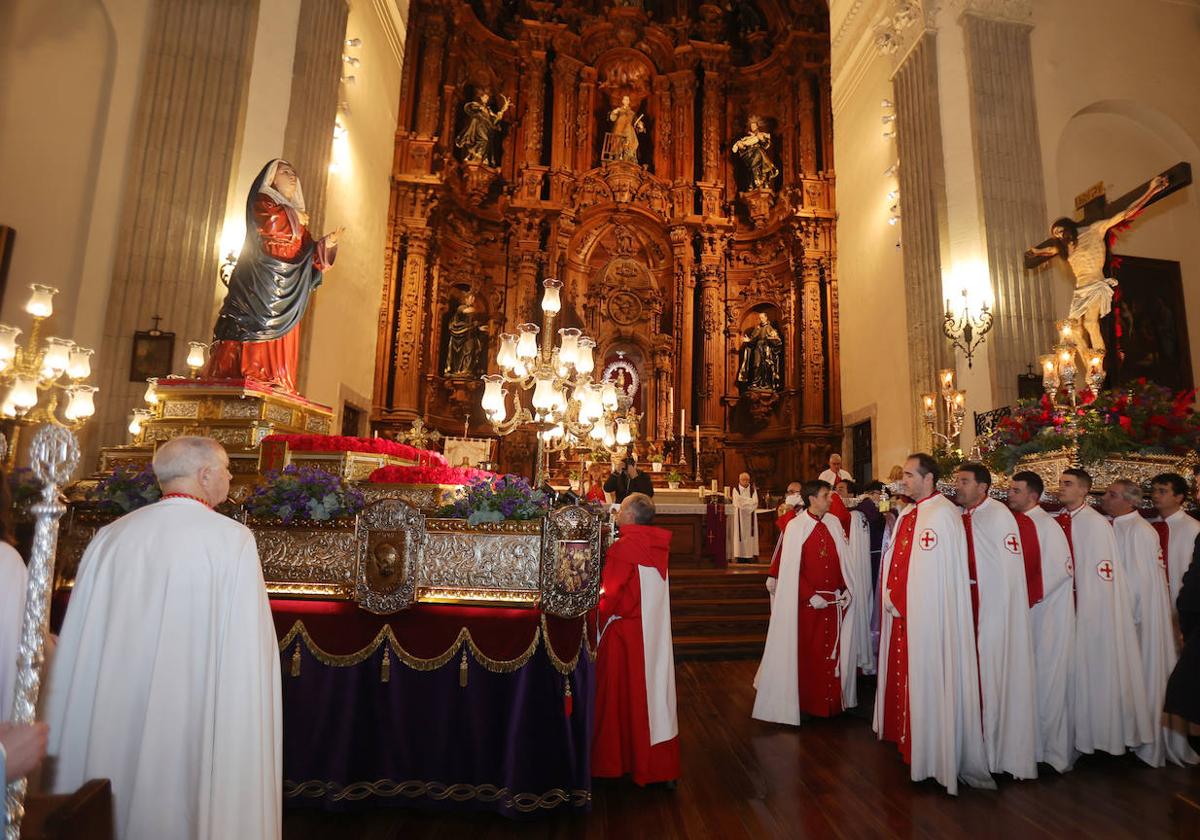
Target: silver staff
55, 454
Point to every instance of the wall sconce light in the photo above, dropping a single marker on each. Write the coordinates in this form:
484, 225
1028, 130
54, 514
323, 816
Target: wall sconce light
886, 103
354, 42
349, 80
351, 60
965, 330
887, 118
891, 170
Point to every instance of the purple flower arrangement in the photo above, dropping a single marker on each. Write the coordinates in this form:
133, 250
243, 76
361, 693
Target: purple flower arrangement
497, 499
303, 493
126, 489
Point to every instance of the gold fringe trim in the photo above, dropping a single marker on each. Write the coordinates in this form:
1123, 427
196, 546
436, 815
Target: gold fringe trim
413, 789
298, 634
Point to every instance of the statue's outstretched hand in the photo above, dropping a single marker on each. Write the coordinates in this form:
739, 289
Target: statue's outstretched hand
331, 239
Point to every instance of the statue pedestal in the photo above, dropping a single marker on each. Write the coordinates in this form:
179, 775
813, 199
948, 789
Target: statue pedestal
758, 204
238, 413
478, 179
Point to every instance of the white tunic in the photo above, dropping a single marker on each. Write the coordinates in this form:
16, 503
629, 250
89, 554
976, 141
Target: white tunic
860, 607
1006, 664
13, 580
833, 478
1108, 693
1052, 622
1140, 552
1182, 532
166, 679
943, 676
743, 526
777, 681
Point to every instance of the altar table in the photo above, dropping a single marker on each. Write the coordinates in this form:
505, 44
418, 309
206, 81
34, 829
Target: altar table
435, 707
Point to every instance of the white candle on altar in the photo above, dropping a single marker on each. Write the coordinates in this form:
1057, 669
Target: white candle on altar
682, 433
670, 405
697, 444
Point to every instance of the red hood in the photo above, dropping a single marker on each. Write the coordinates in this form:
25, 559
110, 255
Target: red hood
651, 545
838, 508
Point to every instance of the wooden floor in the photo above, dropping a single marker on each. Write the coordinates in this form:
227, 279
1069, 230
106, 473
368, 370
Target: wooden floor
829, 778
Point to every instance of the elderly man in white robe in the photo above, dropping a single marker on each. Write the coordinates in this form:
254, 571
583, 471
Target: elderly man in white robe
1141, 560
743, 526
1108, 695
166, 679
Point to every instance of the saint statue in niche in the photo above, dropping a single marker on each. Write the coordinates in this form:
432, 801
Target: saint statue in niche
762, 354
464, 352
478, 138
257, 334
753, 150
622, 141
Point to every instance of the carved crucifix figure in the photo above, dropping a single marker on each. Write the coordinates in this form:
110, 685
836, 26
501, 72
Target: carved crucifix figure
1085, 246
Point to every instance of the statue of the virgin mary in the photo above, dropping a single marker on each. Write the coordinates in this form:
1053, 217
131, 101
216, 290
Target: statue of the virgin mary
257, 334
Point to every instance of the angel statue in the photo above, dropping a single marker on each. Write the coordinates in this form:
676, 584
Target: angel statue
477, 140
257, 334
1085, 248
752, 149
627, 124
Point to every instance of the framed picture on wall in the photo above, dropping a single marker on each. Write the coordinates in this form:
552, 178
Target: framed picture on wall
152, 354
1152, 340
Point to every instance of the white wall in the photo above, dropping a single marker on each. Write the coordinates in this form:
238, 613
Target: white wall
1121, 116
345, 314
874, 359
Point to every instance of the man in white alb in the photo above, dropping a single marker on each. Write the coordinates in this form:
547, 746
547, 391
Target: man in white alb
166, 679
835, 473
1177, 531
1141, 561
743, 527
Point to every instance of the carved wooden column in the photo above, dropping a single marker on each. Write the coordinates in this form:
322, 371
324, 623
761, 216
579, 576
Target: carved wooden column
712, 365
525, 249
433, 49
685, 319
563, 143
664, 128
812, 342
584, 128
711, 132
534, 79
406, 391
805, 131
683, 88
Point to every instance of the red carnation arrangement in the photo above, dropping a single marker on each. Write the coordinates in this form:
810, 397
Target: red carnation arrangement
345, 443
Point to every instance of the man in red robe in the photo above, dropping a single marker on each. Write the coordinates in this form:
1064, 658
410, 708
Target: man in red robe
927, 702
637, 730
808, 663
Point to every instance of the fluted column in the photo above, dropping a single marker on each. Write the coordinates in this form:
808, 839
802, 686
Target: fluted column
923, 209
685, 318
433, 50
1009, 165
534, 80
712, 368
182, 159
683, 89
812, 341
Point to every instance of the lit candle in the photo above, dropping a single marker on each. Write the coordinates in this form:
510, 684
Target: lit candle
682, 433
698, 446
670, 402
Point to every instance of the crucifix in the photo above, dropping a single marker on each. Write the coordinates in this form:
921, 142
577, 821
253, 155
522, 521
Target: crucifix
1085, 245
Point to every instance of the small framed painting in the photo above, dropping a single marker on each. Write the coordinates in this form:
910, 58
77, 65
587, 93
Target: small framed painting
152, 354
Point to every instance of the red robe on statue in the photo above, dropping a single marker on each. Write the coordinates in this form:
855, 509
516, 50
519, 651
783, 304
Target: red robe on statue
623, 741
274, 361
820, 574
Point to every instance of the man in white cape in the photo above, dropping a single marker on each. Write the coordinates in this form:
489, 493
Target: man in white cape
1001, 605
1177, 531
835, 473
927, 702
1141, 561
743, 526
1108, 695
1052, 621
781, 691
166, 679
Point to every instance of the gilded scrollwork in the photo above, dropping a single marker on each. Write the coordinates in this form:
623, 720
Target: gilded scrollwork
572, 557
390, 537
294, 556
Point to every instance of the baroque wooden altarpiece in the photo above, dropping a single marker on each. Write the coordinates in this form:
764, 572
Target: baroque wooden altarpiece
667, 261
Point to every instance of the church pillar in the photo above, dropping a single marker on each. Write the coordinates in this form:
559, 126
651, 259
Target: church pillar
433, 48
406, 391
812, 374
683, 86
534, 79
664, 131
685, 319
563, 143
923, 207
1009, 166
186, 134
711, 134
584, 123
712, 368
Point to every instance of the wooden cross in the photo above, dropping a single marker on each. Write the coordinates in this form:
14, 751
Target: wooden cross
1095, 207
155, 330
